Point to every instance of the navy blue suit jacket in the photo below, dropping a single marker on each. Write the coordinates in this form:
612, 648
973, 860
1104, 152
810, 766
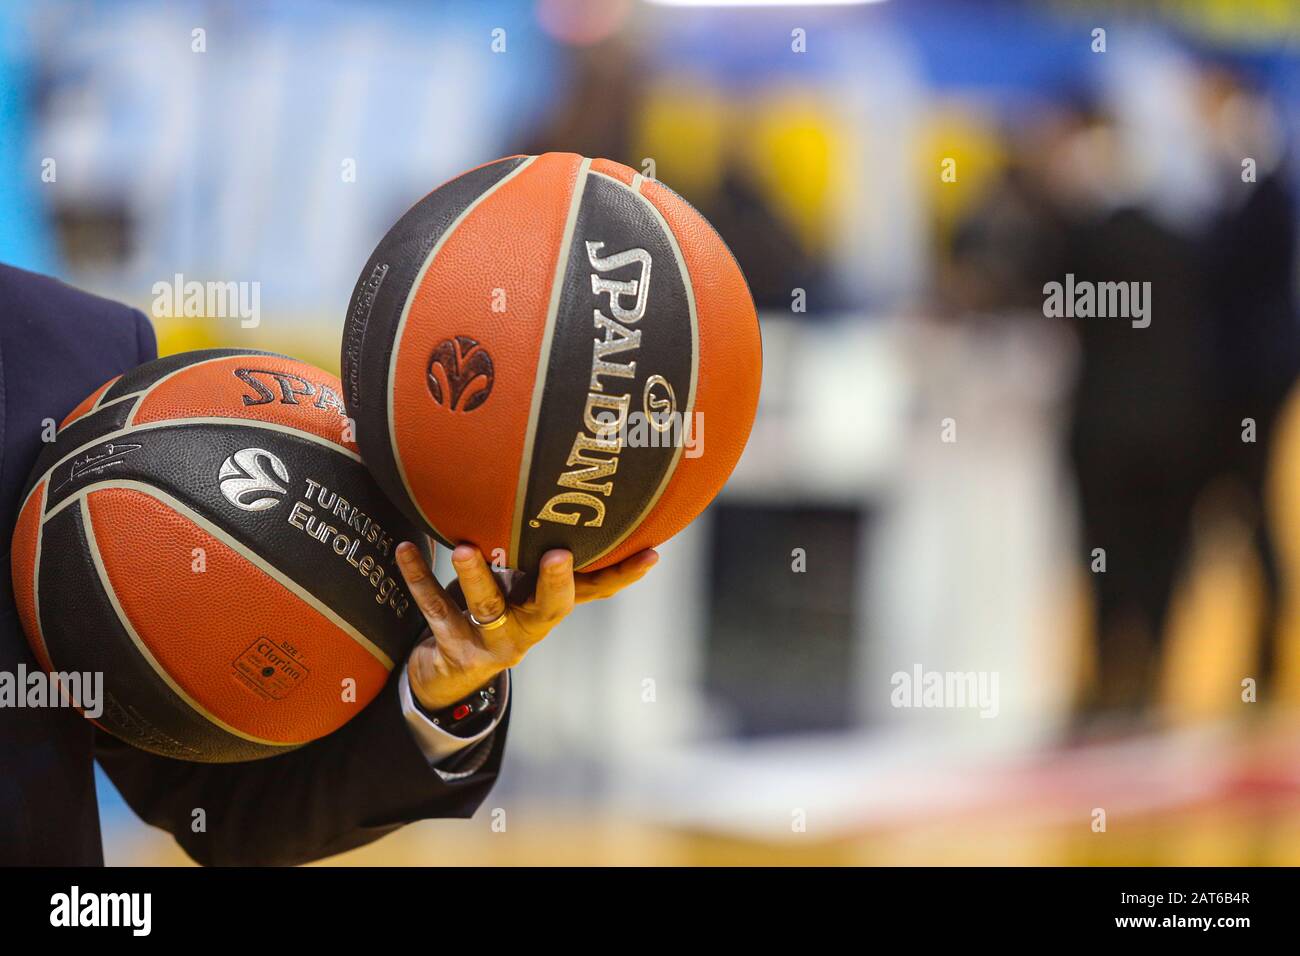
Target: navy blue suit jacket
57, 345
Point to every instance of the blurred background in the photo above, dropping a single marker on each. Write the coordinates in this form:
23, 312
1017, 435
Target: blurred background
1096, 523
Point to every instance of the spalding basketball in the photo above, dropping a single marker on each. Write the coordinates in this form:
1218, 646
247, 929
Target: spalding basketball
203, 533
552, 351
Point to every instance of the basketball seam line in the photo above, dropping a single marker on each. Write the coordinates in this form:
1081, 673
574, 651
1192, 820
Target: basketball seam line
544, 358
116, 401
36, 575
143, 648
148, 389
689, 411
401, 328
155, 426
95, 406
230, 354
99, 397
95, 410
104, 390
261, 563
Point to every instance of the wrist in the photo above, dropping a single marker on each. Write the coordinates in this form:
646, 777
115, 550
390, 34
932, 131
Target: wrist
435, 684
468, 714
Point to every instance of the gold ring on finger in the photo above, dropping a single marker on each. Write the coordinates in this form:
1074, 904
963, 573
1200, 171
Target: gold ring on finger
491, 625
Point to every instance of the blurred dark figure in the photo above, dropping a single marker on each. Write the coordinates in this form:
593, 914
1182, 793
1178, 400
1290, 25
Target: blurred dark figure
595, 118
1161, 412
598, 118
769, 252
1141, 438
1002, 251
1250, 256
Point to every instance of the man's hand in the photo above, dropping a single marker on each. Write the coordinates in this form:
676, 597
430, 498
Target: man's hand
460, 657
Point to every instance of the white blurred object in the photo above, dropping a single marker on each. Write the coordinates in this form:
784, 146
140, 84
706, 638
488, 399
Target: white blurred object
1151, 87
829, 415
968, 568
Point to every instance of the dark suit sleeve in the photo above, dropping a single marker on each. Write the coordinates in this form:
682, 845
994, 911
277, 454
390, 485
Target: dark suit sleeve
146, 343
356, 785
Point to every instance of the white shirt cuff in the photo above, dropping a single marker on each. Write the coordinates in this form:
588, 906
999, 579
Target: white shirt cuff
434, 742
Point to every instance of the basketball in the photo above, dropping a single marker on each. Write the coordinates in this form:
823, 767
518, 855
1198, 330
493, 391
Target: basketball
552, 352
202, 533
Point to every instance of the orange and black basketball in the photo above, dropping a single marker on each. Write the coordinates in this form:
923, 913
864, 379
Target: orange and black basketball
203, 534
552, 351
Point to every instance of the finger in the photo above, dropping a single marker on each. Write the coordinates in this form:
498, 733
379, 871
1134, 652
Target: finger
594, 585
555, 589
483, 595
426, 592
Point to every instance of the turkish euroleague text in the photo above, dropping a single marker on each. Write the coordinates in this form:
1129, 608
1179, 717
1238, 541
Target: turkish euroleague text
312, 514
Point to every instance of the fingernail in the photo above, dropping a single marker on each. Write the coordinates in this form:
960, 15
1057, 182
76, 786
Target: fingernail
406, 550
463, 552
557, 560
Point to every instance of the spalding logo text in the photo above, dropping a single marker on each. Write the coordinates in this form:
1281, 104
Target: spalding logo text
605, 414
266, 382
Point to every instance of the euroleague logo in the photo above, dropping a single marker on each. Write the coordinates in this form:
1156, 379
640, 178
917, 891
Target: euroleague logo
460, 374
248, 479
